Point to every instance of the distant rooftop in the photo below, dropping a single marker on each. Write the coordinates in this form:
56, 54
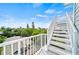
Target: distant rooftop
13, 38
1, 33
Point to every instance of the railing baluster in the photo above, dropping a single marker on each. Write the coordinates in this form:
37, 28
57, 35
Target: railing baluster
11, 49
4, 50
45, 39
41, 41
19, 48
27, 45
24, 47
33, 45
30, 46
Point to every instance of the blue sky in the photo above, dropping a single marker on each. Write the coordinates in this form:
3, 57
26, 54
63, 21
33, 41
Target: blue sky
21, 14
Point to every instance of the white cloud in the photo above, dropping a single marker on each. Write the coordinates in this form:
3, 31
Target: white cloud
42, 25
16, 23
9, 21
39, 15
7, 18
50, 11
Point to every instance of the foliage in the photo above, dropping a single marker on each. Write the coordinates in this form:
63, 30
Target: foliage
7, 33
2, 38
1, 50
2, 28
35, 32
27, 25
33, 26
25, 32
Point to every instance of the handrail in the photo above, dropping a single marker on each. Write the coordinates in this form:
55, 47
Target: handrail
76, 10
50, 31
76, 28
34, 43
73, 39
70, 21
13, 41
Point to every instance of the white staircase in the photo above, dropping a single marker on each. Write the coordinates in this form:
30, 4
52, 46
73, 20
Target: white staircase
62, 38
59, 43
63, 35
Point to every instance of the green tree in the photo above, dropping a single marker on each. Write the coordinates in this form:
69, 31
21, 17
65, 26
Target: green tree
24, 33
2, 28
35, 32
39, 28
2, 38
29, 30
18, 31
7, 33
33, 26
27, 25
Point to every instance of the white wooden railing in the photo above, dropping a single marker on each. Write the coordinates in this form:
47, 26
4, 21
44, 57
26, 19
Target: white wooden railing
24, 46
50, 30
72, 31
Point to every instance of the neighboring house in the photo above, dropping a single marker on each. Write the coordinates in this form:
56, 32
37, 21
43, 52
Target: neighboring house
15, 45
13, 38
1, 33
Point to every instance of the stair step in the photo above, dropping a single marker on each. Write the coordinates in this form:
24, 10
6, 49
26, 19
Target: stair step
60, 25
60, 35
61, 45
60, 32
61, 40
51, 53
58, 50
59, 29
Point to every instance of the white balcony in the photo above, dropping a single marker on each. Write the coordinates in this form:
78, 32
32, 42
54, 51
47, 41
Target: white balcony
24, 46
62, 38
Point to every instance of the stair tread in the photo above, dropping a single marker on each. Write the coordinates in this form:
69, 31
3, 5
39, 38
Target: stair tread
60, 32
58, 50
56, 29
60, 35
62, 45
50, 53
60, 39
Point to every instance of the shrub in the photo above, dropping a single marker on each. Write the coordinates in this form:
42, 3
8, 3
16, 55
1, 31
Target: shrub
2, 38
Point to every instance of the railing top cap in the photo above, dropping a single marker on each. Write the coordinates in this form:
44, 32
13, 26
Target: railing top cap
15, 41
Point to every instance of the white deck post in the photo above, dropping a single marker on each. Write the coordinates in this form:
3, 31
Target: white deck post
24, 47
75, 39
44, 39
30, 46
4, 50
11, 49
41, 40
19, 51
33, 45
27, 45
